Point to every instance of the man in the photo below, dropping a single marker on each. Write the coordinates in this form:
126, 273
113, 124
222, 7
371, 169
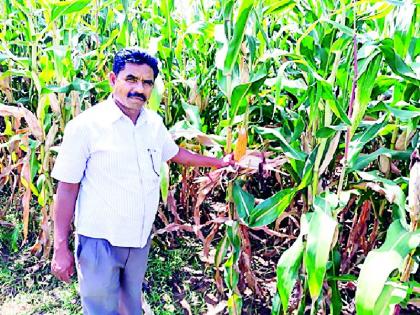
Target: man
108, 172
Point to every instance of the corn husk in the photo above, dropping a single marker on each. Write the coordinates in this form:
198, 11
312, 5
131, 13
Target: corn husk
241, 144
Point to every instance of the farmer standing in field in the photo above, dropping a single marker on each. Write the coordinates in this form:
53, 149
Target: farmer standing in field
108, 172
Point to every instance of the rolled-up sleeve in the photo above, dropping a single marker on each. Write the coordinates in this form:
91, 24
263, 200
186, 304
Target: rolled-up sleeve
73, 155
169, 148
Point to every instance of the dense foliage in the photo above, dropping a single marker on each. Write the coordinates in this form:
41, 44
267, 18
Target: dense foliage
318, 100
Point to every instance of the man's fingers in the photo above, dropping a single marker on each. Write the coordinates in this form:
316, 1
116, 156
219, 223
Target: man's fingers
62, 273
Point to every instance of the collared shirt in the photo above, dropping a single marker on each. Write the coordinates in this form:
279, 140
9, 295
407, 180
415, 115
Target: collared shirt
118, 165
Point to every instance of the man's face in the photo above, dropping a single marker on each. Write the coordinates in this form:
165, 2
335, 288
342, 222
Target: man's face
133, 85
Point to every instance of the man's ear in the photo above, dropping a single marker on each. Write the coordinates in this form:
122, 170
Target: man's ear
112, 78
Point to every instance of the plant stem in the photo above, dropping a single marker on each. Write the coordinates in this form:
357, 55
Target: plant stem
350, 110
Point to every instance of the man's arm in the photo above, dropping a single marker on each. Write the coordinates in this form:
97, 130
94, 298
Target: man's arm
63, 261
188, 158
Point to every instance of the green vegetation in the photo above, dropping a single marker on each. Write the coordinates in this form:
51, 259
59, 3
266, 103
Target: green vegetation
318, 101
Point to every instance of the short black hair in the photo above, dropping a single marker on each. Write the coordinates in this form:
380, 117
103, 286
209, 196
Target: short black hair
136, 56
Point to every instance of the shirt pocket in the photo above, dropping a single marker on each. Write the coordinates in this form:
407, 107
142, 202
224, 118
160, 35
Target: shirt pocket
155, 160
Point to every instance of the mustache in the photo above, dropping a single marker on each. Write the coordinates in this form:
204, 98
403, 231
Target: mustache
139, 95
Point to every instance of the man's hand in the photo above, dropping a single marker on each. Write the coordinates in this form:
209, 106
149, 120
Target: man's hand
62, 265
188, 158
226, 161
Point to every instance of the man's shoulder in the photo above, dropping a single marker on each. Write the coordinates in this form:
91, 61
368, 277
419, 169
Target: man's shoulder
90, 116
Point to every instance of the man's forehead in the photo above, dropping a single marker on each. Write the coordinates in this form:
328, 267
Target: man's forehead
136, 70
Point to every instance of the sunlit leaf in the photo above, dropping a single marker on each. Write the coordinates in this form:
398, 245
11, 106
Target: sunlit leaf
319, 240
238, 34
380, 263
244, 202
269, 210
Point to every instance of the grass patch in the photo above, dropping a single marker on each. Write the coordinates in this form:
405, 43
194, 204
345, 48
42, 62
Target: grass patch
175, 280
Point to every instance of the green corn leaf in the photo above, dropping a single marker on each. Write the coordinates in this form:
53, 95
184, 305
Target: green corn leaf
277, 7
233, 235
396, 63
357, 144
234, 304
286, 147
167, 7
276, 305
380, 263
231, 275
193, 115
365, 85
289, 264
81, 85
320, 236
307, 171
345, 29
221, 250
336, 299
157, 93
334, 104
240, 91
327, 203
406, 26
123, 38
238, 35
269, 210
392, 294
325, 132
164, 182
363, 160
60, 8
287, 271
410, 112
244, 202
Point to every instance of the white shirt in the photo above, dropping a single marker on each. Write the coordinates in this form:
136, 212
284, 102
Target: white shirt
117, 164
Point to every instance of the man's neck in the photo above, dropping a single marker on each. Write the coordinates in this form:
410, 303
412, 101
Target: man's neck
131, 113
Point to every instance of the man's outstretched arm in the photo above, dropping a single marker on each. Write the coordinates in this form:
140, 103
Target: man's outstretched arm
188, 158
63, 261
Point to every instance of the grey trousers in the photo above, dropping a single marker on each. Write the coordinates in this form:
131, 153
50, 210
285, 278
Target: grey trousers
110, 277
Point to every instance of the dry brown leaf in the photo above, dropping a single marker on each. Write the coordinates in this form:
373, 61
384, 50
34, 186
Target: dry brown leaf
33, 123
206, 140
186, 306
18, 113
6, 224
54, 104
5, 87
389, 195
26, 208
243, 68
25, 177
75, 103
172, 227
7, 110
400, 144
217, 309
7, 170
209, 238
145, 305
171, 201
163, 217
414, 189
50, 138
